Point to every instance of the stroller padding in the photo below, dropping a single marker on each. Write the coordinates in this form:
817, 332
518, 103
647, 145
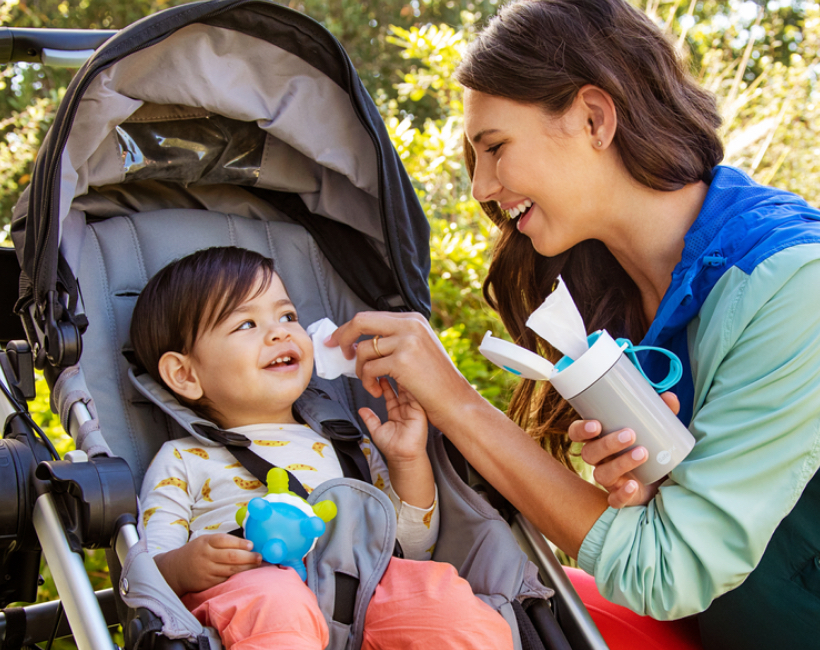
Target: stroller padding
119, 256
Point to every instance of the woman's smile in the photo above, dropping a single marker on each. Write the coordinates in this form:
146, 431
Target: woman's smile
525, 217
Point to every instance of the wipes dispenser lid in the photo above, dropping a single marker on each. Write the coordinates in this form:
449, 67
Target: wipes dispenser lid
574, 376
517, 360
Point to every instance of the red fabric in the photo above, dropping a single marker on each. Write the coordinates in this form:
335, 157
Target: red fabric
416, 606
623, 629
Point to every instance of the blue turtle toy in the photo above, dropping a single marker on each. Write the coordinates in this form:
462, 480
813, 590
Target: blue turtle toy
282, 525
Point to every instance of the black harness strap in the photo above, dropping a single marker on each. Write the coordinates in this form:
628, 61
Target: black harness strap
350, 454
239, 446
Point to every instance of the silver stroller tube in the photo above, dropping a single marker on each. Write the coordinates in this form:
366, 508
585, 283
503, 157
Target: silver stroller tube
81, 607
578, 616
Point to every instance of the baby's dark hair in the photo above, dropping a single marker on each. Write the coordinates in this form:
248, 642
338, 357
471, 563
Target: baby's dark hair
190, 296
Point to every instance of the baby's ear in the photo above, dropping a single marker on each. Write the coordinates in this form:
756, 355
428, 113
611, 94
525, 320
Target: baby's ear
179, 375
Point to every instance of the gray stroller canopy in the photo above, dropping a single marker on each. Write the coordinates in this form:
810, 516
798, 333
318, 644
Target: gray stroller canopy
234, 106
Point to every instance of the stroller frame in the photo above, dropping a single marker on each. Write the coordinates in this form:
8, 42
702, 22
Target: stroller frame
53, 483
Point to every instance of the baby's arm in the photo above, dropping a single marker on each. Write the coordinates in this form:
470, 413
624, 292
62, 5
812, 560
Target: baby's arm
166, 504
206, 561
403, 442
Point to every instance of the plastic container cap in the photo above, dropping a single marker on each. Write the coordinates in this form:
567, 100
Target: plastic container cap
515, 359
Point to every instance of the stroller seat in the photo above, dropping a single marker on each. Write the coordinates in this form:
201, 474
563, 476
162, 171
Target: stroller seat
230, 122
119, 255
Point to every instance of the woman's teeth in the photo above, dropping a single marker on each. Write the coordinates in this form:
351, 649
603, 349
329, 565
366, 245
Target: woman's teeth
521, 208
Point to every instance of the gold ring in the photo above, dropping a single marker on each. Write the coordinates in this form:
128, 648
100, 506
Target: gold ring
375, 340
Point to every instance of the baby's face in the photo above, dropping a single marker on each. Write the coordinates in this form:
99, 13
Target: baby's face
255, 364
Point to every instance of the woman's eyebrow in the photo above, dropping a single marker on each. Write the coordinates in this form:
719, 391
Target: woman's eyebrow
477, 137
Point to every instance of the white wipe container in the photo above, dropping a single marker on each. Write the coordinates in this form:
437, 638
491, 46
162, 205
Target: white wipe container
604, 385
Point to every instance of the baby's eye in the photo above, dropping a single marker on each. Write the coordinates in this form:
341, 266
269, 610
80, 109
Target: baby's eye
289, 317
246, 325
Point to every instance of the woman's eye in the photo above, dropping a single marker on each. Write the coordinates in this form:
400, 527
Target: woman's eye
246, 325
494, 149
290, 317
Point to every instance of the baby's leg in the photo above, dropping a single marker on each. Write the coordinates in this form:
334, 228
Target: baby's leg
263, 608
422, 605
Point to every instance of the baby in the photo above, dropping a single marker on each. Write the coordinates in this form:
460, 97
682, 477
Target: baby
218, 329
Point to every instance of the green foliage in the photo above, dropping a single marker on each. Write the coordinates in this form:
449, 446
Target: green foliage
460, 235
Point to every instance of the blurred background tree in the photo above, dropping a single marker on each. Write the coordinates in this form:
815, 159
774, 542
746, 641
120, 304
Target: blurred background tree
760, 58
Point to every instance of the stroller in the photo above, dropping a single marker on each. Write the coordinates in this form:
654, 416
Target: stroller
229, 122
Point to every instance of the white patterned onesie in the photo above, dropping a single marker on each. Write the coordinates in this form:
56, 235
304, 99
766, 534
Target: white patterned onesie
191, 489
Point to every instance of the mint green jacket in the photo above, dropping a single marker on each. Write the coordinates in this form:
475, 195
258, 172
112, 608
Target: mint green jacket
754, 350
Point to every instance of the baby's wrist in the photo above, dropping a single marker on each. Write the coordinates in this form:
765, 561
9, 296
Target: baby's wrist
408, 464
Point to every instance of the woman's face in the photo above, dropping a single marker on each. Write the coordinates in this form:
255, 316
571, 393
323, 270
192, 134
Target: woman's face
542, 170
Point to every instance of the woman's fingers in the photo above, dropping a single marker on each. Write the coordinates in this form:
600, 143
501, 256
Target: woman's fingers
672, 401
583, 430
612, 473
369, 323
626, 495
598, 450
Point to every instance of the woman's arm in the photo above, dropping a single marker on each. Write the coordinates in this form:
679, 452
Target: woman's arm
562, 505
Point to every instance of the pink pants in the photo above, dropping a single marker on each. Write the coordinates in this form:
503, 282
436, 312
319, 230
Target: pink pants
623, 629
417, 605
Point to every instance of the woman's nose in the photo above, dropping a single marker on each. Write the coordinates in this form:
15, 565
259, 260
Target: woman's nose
485, 183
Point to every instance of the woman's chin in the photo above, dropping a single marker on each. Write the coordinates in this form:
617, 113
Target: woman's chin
550, 248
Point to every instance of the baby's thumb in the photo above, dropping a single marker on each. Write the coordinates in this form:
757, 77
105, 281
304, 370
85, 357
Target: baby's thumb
371, 420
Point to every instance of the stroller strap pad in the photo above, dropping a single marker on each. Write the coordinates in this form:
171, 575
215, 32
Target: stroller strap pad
69, 390
182, 415
358, 543
142, 585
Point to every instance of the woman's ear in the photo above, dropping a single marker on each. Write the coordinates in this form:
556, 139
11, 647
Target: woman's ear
179, 375
602, 118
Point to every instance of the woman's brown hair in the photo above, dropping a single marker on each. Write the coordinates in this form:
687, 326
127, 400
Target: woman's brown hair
541, 52
190, 296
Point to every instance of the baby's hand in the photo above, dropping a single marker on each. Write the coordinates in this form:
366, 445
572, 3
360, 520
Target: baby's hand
403, 441
403, 437
206, 561
613, 469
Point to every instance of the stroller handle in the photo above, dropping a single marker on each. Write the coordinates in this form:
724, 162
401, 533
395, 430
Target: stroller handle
67, 48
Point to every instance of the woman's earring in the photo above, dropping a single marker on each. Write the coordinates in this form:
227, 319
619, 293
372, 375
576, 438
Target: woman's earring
599, 143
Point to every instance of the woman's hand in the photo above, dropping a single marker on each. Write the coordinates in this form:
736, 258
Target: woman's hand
206, 561
408, 351
613, 468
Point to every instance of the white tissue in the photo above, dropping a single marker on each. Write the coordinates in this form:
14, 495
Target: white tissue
557, 321
330, 362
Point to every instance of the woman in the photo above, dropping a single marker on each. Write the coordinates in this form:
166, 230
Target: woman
597, 156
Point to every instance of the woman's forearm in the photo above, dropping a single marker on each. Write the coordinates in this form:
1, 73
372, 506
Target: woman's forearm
561, 504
